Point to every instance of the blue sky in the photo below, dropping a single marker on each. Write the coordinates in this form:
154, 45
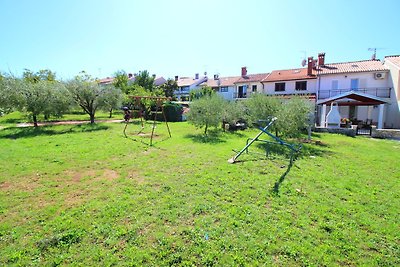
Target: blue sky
182, 38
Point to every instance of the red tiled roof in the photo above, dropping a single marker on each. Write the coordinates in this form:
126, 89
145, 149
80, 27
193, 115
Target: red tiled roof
287, 75
349, 67
188, 81
394, 59
222, 81
252, 78
107, 80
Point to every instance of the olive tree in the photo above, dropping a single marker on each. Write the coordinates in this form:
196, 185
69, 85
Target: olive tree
9, 97
89, 95
206, 111
292, 114
111, 100
33, 97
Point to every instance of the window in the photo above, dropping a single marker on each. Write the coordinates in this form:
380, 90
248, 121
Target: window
354, 84
223, 89
301, 86
279, 87
335, 84
254, 88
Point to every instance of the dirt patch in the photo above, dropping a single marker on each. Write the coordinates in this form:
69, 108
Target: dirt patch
108, 175
134, 175
5, 185
25, 185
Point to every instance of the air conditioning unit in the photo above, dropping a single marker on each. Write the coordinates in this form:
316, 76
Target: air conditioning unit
380, 75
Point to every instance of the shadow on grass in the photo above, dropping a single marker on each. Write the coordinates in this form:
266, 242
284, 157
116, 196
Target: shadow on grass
28, 132
213, 137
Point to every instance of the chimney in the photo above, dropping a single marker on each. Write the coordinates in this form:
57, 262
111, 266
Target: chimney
154, 76
321, 59
130, 75
310, 64
176, 78
244, 71
196, 76
216, 77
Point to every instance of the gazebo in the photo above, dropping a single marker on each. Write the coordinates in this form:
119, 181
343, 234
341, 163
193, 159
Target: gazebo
353, 98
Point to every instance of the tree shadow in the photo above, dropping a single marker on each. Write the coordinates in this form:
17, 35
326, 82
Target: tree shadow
278, 183
28, 132
213, 137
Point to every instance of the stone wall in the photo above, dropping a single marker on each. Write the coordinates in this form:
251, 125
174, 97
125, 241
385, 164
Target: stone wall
386, 133
346, 131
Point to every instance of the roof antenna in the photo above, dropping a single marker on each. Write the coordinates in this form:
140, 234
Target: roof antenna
373, 57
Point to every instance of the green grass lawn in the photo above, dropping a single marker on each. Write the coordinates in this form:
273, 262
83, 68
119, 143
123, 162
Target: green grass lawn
86, 195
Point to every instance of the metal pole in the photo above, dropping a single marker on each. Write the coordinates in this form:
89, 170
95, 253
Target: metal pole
232, 160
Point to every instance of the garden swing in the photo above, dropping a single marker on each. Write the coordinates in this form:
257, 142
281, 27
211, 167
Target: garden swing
136, 110
293, 149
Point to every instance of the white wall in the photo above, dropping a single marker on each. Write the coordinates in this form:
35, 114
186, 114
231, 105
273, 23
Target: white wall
393, 110
228, 95
249, 87
290, 87
366, 80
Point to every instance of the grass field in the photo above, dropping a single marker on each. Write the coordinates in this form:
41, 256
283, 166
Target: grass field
86, 195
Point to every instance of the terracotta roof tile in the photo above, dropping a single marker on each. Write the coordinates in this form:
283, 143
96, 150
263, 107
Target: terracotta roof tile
222, 81
349, 67
252, 78
107, 80
188, 81
287, 75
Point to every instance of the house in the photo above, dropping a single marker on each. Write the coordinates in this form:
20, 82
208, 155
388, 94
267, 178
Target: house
300, 81
187, 84
361, 89
393, 64
248, 84
131, 78
224, 86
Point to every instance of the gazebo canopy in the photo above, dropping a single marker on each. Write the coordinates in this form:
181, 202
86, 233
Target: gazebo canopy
353, 98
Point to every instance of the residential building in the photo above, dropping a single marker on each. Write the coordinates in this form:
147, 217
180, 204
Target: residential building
393, 64
224, 86
248, 84
300, 81
131, 78
361, 89
187, 84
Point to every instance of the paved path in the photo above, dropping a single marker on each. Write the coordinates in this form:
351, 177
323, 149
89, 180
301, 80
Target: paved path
64, 123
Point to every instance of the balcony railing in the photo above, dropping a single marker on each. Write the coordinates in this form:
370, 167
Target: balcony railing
383, 92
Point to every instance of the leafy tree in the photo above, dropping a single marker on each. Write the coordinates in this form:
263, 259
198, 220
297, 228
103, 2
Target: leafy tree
42, 97
34, 94
206, 111
233, 112
292, 114
121, 81
41, 75
144, 80
203, 91
169, 87
9, 97
112, 99
86, 93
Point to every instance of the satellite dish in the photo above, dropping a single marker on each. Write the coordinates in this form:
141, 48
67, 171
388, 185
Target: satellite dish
303, 62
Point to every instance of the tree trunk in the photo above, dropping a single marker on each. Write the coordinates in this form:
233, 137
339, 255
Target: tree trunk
205, 129
35, 124
110, 113
91, 118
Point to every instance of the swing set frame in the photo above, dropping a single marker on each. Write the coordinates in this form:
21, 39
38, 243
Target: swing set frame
129, 113
294, 149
